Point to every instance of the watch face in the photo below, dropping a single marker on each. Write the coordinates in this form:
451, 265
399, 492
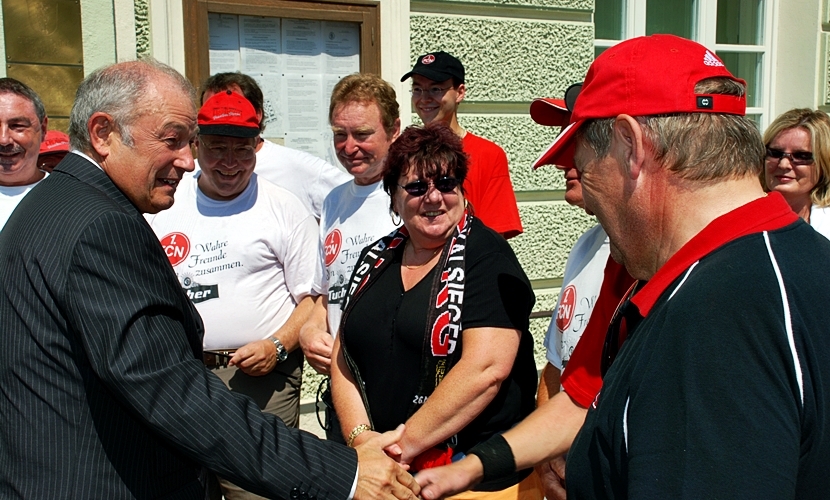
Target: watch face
282, 354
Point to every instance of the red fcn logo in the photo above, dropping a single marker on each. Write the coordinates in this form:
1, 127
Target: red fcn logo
428, 59
176, 246
332, 245
567, 304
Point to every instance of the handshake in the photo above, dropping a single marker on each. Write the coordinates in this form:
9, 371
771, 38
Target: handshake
381, 477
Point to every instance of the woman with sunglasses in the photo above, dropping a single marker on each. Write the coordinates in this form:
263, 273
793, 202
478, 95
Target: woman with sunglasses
798, 164
434, 332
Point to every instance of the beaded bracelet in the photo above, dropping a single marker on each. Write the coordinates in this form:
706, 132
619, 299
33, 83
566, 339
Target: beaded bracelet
497, 460
356, 432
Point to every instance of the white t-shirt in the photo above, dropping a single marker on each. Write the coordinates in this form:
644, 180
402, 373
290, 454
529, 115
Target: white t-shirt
353, 218
584, 272
245, 263
10, 196
308, 177
820, 220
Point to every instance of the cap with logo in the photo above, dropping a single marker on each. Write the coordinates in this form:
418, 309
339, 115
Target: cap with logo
230, 114
650, 75
54, 142
437, 66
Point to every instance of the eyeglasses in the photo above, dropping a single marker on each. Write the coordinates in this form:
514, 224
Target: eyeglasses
420, 188
796, 157
434, 92
612, 336
220, 151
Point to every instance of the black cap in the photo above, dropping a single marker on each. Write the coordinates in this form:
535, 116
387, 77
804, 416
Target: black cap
437, 66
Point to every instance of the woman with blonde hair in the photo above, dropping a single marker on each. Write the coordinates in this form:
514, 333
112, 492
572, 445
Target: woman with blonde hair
798, 164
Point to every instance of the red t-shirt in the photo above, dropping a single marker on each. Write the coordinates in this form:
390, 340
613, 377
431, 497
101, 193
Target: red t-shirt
581, 378
488, 187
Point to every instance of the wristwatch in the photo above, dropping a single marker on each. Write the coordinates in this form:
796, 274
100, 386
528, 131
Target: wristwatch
282, 354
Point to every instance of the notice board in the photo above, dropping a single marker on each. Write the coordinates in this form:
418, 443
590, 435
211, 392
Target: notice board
295, 54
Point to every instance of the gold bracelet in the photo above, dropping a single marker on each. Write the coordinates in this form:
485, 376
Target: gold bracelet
358, 430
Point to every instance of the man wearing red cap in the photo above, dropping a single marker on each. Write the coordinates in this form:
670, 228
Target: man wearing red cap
311, 179
23, 121
244, 251
592, 287
54, 147
721, 388
437, 90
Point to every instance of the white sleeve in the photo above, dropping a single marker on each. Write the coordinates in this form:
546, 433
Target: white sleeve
328, 178
300, 263
321, 276
553, 339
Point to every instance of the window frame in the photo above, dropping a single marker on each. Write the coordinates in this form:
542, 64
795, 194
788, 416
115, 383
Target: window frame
705, 30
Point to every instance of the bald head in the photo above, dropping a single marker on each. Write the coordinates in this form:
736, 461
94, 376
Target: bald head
121, 91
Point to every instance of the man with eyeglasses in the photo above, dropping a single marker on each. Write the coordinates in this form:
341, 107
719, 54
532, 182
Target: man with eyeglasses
720, 389
437, 90
308, 177
244, 250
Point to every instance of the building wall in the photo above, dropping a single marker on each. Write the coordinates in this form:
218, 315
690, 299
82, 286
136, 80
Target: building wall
514, 51
796, 59
824, 58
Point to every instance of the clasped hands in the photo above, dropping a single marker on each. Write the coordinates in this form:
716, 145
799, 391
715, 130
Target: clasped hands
393, 464
378, 475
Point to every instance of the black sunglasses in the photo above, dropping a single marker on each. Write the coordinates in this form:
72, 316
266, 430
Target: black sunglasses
796, 157
442, 184
612, 336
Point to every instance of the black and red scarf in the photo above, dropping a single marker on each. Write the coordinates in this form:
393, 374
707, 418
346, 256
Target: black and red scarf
443, 330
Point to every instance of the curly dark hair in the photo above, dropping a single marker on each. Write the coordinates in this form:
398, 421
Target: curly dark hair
432, 151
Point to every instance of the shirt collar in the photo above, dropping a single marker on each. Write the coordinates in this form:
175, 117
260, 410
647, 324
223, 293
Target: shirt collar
764, 214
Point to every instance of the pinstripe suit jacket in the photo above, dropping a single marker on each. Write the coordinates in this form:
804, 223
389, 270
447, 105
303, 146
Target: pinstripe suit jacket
102, 390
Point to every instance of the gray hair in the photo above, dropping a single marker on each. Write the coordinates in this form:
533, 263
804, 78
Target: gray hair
696, 146
12, 86
121, 91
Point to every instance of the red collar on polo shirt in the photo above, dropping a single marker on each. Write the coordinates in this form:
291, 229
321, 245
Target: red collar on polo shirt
764, 214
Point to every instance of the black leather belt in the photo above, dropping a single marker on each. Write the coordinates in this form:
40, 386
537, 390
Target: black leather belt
217, 359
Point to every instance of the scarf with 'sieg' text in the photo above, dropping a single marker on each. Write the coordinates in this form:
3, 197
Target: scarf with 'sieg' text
446, 297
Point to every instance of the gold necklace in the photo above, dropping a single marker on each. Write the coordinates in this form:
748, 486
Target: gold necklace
434, 252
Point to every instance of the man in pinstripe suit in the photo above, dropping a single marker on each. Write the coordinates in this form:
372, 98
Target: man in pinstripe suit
102, 390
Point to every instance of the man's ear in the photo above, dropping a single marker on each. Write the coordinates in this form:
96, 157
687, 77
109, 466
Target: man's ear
462, 93
396, 129
627, 144
101, 130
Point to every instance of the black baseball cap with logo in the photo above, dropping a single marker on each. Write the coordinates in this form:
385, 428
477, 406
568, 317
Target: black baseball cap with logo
437, 66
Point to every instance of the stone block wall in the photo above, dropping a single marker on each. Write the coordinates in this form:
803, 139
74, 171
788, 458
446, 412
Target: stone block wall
514, 51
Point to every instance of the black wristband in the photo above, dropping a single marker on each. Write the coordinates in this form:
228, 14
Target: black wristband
496, 458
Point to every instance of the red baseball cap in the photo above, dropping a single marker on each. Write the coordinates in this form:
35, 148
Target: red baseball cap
550, 112
228, 113
650, 75
54, 142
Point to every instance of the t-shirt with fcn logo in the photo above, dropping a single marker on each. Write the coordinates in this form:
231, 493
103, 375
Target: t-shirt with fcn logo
580, 289
352, 218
